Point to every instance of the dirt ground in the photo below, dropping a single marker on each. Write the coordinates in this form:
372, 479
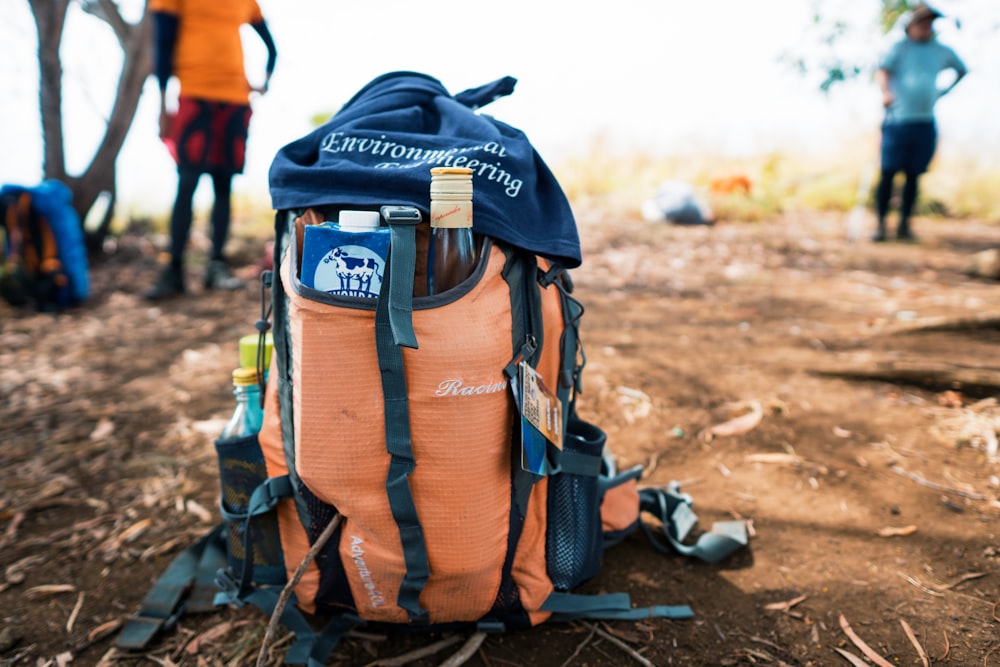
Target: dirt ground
863, 379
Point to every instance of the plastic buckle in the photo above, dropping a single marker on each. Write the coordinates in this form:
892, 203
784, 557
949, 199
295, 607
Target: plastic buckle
401, 215
226, 581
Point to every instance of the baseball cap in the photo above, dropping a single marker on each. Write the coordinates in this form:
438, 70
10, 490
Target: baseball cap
922, 12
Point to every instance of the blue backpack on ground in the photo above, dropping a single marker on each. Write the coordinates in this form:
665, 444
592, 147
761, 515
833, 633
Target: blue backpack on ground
44, 258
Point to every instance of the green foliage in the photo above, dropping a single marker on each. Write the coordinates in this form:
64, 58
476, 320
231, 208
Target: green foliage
891, 11
832, 30
318, 119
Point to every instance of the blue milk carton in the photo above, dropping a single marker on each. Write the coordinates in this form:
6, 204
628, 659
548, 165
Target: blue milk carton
346, 258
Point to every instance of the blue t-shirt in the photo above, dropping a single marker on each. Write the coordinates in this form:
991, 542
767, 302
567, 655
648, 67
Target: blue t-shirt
913, 69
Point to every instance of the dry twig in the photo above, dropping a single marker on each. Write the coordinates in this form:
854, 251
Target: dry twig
961, 580
593, 631
919, 585
988, 654
623, 646
934, 485
286, 592
413, 656
467, 651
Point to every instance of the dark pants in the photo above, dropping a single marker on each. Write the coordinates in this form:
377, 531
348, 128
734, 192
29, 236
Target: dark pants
906, 148
183, 214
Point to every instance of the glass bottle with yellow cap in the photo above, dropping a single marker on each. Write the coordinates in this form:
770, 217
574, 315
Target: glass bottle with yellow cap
248, 414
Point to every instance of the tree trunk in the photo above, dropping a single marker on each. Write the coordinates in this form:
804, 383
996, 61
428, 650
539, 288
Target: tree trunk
100, 174
50, 18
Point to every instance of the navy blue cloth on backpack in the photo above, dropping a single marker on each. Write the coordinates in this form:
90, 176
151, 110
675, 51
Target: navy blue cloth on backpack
380, 147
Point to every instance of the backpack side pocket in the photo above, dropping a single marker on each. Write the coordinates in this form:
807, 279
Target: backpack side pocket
574, 544
241, 470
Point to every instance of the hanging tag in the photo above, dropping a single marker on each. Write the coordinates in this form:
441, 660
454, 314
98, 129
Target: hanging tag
541, 420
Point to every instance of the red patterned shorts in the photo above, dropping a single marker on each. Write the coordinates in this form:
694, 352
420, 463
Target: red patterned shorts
210, 137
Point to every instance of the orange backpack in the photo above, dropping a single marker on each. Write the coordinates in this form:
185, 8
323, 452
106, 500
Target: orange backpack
401, 478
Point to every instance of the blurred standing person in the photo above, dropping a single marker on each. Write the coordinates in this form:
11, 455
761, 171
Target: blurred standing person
198, 41
908, 78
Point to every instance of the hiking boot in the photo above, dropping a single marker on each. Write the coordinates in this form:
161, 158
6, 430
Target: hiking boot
904, 235
879, 235
218, 276
169, 284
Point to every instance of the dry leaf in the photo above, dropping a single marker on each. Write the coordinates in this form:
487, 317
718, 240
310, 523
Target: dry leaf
790, 459
196, 508
643, 579
161, 548
865, 648
913, 640
45, 590
841, 432
786, 605
741, 424
209, 636
73, 614
851, 658
894, 531
103, 630
635, 404
133, 532
56, 486
104, 428
16, 572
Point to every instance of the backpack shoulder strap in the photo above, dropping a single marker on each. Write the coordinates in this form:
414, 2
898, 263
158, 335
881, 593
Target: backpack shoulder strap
673, 508
394, 329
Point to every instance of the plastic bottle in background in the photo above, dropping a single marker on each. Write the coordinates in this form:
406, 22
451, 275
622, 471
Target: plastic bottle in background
248, 414
452, 254
346, 258
249, 345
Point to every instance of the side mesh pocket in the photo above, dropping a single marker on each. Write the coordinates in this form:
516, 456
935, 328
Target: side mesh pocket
574, 542
241, 470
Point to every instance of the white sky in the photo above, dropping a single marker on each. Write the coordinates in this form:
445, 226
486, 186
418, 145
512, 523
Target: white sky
662, 76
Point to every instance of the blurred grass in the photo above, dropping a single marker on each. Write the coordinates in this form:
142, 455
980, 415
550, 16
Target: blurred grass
605, 177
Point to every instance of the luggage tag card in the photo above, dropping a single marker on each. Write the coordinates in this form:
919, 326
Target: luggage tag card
541, 420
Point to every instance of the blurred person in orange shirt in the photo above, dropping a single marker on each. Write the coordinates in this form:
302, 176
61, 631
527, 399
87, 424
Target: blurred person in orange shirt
198, 42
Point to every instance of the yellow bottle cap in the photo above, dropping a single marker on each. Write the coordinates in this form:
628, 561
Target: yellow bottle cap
244, 377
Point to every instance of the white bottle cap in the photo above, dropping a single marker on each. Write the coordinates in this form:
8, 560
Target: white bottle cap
359, 220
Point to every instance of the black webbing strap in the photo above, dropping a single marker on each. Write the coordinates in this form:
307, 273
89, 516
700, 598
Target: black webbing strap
171, 594
609, 606
527, 332
393, 321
